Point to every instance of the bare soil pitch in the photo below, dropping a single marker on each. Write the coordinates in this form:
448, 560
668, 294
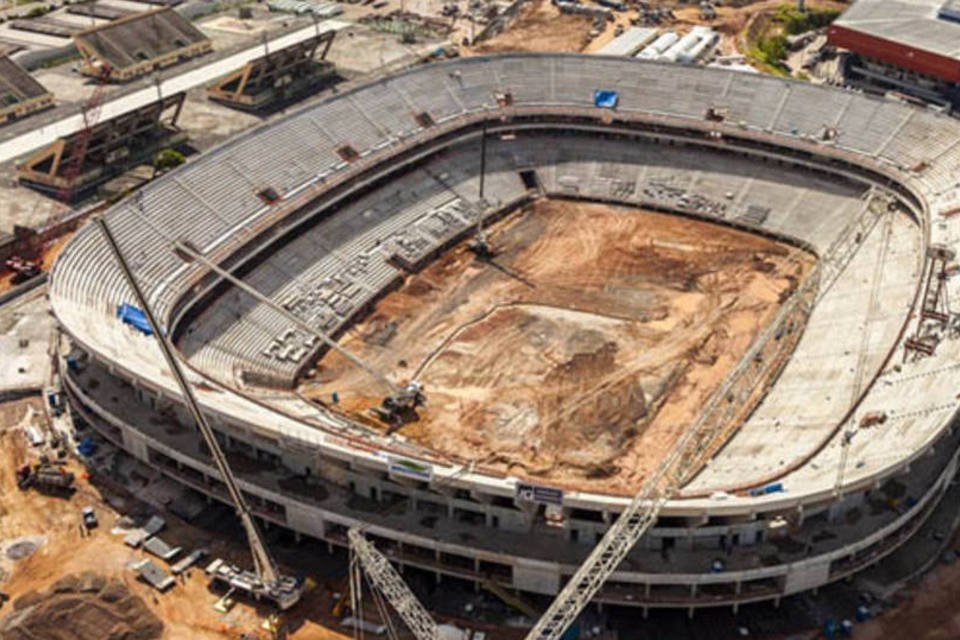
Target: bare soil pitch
585, 348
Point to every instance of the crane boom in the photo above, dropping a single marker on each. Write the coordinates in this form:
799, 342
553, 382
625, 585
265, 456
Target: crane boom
289, 315
697, 441
385, 578
264, 563
91, 115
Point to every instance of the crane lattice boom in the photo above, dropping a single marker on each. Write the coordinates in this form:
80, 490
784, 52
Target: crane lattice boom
388, 581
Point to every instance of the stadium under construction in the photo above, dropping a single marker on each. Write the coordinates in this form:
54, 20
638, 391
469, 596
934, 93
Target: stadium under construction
480, 308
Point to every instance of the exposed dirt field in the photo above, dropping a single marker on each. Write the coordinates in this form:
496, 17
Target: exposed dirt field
540, 26
81, 606
52, 525
64, 585
929, 613
583, 351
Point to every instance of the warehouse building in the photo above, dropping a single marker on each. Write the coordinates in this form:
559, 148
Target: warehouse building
909, 47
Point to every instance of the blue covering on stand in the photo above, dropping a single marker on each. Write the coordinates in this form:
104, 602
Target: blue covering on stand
606, 99
130, 315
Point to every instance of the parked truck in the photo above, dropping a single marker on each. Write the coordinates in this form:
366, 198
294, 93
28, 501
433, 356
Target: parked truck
45, 477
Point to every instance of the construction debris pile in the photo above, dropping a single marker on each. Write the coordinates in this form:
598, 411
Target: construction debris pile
408, 25
81, 607
322, 10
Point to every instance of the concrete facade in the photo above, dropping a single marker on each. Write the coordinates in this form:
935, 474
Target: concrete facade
319, 474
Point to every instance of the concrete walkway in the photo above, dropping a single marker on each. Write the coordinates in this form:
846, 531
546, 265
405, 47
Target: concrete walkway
46, 134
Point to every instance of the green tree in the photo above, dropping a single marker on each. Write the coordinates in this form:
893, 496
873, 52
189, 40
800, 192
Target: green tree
167, 159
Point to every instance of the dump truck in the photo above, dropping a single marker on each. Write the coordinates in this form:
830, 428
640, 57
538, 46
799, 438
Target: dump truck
45, 477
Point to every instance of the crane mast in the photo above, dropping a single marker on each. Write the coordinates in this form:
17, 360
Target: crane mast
388, 581
283, 590
91, 115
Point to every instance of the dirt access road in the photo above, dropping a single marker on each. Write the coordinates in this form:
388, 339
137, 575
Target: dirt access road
52, 526
582, 352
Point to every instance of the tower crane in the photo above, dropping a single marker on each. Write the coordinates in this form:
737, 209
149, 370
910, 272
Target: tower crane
267, 582
91, 115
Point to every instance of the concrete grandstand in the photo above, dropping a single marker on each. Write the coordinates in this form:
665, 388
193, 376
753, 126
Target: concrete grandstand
833, 442
138, 44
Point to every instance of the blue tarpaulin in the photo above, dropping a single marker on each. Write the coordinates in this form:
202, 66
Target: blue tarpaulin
605, 98
129, 314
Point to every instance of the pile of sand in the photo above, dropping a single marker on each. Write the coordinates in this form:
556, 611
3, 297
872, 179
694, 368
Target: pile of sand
81, 607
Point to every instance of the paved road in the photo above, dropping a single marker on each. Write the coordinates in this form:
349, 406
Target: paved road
26, 142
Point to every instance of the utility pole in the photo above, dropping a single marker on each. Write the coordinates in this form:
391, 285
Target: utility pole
480, 246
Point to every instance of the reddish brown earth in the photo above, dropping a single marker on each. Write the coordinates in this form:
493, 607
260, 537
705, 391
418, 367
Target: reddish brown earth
583, 351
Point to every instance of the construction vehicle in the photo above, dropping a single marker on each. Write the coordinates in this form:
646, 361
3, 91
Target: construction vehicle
22, 269
89, 517
401, 406
45, 477
265, 582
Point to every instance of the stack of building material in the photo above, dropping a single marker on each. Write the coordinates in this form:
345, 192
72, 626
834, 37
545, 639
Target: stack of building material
303, 7
136, 536
629, 42
153, 575
161, 549
188, 561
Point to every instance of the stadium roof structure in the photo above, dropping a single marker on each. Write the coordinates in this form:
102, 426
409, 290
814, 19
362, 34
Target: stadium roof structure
140, 43
919, 35
20, 94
